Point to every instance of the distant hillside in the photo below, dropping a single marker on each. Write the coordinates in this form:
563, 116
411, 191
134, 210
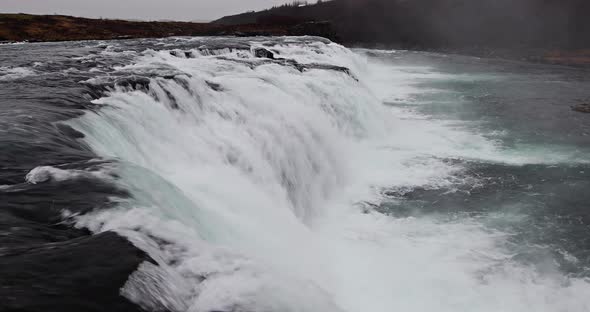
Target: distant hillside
25, 27
441, 23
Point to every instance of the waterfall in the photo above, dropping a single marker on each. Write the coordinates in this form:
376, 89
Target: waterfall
252, 181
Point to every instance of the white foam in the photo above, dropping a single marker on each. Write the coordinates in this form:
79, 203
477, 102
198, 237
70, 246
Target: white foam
14, 43
46, 173
13, 73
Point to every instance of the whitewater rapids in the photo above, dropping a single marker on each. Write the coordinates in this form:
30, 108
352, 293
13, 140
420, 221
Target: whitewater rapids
254, 184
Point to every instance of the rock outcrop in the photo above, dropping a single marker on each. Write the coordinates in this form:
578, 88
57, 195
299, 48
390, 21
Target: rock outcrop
582, 108
264, 53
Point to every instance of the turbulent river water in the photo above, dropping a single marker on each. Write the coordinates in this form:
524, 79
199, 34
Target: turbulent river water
317, 178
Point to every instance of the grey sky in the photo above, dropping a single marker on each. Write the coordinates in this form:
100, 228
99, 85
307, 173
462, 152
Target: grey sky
187, 10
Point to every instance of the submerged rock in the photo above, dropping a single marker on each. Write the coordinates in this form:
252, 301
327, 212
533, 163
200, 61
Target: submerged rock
185, 54
214, 86
79, 274
582, 108
69, 131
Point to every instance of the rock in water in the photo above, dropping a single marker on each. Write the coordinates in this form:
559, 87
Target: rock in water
69, 131
582, 108
264, 53
81, 274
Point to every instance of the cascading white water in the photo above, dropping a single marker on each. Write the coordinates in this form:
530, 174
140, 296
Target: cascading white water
247, 175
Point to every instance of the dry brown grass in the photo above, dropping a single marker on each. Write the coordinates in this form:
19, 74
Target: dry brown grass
24, 27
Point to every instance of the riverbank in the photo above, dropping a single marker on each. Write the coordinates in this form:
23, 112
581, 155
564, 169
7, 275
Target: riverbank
46, 28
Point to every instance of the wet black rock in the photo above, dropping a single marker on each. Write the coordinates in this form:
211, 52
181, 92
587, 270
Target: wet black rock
582, 108
214, 86
264, 53
80, 274
134, 82
185, 54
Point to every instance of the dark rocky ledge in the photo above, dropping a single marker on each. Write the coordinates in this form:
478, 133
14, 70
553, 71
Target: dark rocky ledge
84, 273
582, 108
48, 265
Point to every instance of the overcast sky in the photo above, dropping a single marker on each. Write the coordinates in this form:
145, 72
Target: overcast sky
186, 10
